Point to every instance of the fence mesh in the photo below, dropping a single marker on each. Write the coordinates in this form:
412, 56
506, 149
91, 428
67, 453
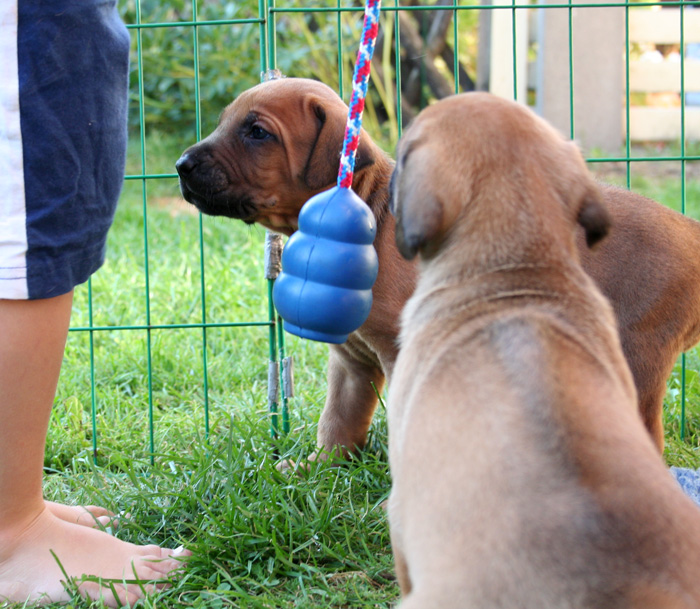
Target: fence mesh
159, 325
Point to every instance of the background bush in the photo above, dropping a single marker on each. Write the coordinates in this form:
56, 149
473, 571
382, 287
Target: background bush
319, 45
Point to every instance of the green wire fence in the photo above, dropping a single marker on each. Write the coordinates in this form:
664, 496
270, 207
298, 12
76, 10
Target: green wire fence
269, 26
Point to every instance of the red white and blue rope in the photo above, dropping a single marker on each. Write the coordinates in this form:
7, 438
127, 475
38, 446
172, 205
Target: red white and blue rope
359, 93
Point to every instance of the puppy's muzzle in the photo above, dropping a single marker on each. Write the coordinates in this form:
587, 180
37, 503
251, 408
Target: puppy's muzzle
205, 184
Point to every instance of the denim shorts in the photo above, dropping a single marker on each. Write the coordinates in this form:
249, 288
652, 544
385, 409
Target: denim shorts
64, 71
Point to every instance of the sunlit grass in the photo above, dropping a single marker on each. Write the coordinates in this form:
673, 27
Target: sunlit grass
260, 538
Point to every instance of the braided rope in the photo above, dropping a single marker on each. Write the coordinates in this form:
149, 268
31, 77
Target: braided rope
370, 29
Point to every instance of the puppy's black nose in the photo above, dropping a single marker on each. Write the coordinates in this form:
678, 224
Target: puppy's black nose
185, 164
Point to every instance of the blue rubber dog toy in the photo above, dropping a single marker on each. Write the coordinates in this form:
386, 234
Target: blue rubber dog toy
329, 264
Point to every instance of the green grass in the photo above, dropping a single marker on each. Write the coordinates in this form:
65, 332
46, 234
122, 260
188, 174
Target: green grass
260, 538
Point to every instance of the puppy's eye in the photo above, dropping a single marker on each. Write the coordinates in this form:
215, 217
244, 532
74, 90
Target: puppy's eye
258, 133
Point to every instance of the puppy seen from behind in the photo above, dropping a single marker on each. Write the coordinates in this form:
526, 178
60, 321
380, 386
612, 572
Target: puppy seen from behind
523, 475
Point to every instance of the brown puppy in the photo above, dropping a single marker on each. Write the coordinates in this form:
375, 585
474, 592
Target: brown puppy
511, 383
279, 143
276, 146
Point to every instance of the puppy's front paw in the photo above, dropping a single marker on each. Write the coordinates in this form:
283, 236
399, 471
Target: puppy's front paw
287, 466
299, 467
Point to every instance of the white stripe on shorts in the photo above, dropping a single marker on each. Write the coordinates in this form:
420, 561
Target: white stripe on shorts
13, 226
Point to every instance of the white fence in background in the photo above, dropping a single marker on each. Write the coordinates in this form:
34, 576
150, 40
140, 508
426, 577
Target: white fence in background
649, 123
600, 74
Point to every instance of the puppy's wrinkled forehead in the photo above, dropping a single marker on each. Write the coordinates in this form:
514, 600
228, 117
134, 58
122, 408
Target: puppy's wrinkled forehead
279, 98
256, 102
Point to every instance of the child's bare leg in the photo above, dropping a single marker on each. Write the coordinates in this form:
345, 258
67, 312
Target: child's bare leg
32, 340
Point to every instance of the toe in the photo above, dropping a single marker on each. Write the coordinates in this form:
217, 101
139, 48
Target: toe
161, 562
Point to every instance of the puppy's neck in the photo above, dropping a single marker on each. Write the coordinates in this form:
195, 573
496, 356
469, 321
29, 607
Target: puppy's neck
466, 277
444, 303
470, 284
479, 266
506, 230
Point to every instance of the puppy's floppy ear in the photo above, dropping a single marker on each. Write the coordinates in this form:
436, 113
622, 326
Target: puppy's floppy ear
594, 217
324, 157
418, 212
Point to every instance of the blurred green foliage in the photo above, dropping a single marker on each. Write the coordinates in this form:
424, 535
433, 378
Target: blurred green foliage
180, 71
183, 76
164, 73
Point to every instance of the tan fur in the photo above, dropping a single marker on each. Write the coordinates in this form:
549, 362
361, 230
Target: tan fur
522, 473
648, 267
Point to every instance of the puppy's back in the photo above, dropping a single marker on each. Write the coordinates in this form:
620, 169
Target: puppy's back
520, 498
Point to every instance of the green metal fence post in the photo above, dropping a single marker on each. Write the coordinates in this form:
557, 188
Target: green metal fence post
571, 70
277, 392
144, 193
93, 389
455, 41
683, 191
198, 127
267, 62
397, 53
514, 25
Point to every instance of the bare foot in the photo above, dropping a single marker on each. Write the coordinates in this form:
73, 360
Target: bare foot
29, 571
86, 515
